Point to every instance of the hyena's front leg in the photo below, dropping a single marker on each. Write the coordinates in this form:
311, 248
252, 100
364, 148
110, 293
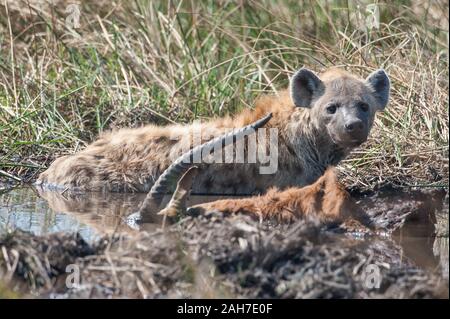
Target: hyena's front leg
280, 206
247, 206
257, 207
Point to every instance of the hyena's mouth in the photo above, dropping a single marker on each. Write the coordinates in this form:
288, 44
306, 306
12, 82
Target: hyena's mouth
333, 137
345, 142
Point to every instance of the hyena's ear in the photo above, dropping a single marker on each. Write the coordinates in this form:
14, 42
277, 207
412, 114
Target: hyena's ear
380, 84
305, 87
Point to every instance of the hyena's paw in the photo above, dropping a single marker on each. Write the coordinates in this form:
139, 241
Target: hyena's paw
284, 216
195, 211
354, 227
168, 212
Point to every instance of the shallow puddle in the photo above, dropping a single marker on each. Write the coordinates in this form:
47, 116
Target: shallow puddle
96, 214
91, 214
23, 208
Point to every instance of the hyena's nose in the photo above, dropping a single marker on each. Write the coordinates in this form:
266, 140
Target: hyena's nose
354, 126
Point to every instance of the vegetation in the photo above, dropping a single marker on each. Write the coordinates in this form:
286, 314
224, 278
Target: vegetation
129, 63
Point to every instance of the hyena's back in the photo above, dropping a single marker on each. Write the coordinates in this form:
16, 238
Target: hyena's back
127, 160
131, 160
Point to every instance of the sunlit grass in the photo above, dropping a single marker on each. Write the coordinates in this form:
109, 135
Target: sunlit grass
138, 62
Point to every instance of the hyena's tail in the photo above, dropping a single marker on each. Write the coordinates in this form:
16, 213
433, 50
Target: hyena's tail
152, 202
177, 204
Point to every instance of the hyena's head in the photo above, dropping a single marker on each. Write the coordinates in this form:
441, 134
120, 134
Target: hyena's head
341, 105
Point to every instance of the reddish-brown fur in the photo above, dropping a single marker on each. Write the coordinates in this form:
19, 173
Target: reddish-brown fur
326, 200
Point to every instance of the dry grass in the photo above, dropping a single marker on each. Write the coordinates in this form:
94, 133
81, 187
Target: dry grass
134, 62
212, 258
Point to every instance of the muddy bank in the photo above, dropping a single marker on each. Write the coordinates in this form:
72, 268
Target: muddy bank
214, 256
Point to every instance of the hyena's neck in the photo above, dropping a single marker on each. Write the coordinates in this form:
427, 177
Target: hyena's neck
311, 145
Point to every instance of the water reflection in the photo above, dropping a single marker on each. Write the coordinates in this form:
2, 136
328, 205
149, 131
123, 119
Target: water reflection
23, 208
91, 214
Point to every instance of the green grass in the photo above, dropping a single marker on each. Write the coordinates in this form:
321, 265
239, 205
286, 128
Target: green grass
140, 62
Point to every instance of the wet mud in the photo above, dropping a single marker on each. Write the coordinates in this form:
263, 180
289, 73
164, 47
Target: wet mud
212, 256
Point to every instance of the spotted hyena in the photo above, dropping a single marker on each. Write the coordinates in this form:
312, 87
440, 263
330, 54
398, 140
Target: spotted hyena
317, 122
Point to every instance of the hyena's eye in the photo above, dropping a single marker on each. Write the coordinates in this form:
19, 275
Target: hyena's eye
363, 107
331, 109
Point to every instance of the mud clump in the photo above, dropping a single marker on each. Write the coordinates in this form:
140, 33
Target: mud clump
211, 256
40, 259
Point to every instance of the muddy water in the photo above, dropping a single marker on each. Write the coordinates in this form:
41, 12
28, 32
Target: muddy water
24, 209
96, 214
91, 214
423, 233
